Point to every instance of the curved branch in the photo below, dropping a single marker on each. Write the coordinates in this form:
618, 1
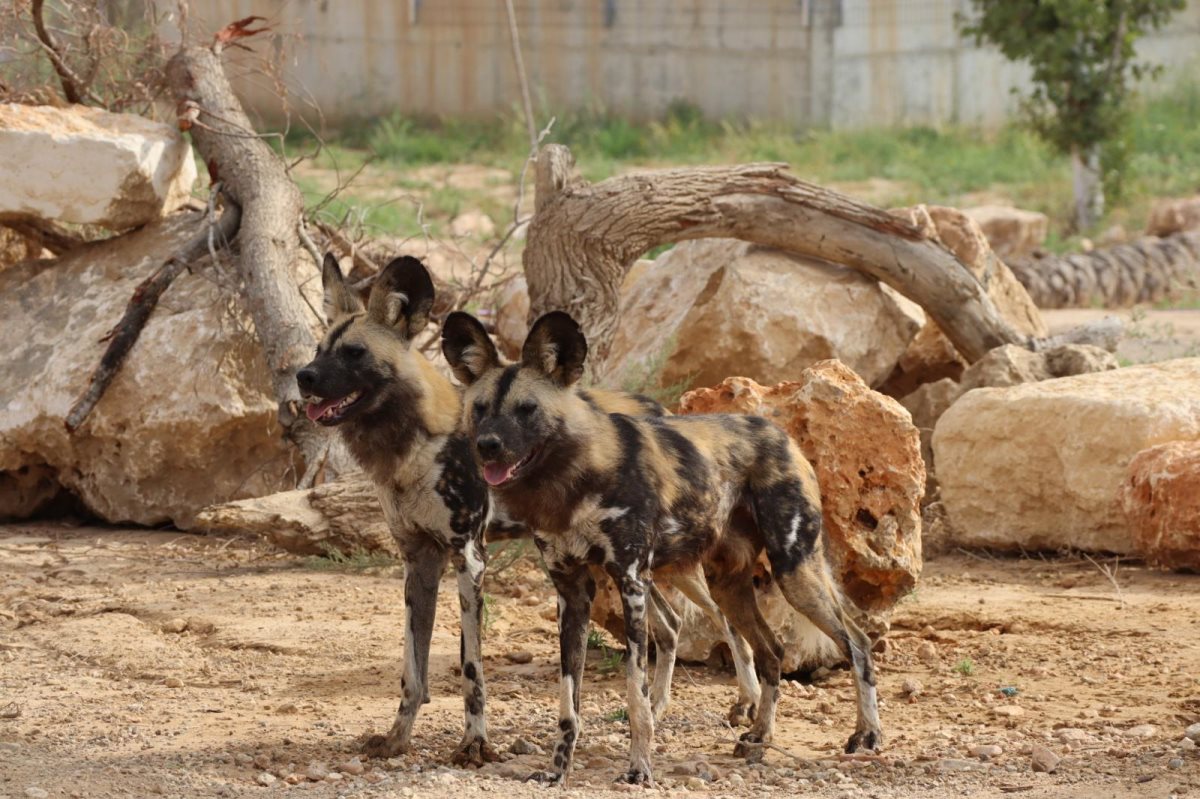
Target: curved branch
584, 237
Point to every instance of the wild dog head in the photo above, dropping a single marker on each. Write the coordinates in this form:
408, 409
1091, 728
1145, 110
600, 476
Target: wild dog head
365, 363
518, 416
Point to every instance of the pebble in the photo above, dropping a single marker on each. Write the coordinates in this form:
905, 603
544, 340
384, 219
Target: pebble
1175, 762
354, 767
956, 764
316, 771
696, 784
265, 779
1008, 711
175, 626
1187, 744
36, 793
1193, 732
243, 759
521, 656
262, 760
912, 687
1044, 760
521, 746
287, 708
927, 652
986, 751
1141, 731
173, 682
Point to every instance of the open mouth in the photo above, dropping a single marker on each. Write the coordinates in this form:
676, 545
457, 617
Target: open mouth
497, 474
331, 411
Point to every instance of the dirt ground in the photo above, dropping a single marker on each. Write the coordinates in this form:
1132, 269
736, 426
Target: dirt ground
135, 663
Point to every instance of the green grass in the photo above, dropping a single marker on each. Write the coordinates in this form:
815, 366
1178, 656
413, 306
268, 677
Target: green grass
951, 165
620, 714
357, 560
596, 639
965, 667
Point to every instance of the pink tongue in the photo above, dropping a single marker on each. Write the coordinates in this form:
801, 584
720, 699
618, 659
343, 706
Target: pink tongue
314, 410
496, 473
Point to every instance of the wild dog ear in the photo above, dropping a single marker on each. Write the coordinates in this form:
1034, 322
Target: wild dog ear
402, 297
467, 347
556, 347
340, 299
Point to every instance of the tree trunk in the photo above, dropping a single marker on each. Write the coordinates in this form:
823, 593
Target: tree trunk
1088, 183
583, 238
1146, 270
255, 179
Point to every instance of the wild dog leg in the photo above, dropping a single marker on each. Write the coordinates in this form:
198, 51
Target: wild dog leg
665, 626
576, 589
634, 595
474, 749
423, 567
692, 584
810, 589
734, 594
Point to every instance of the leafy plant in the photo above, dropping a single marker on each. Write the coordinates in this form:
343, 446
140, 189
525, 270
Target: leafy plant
357, 560
596, 639
965, 667
620, 714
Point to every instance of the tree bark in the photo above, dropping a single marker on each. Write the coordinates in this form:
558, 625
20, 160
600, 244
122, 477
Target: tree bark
1088, 185
584, 237
1146, 270
255, 179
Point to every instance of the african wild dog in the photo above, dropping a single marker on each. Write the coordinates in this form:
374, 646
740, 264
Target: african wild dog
636, 494
398, 416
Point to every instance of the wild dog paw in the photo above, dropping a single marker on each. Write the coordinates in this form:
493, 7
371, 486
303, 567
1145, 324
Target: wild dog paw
635, 776
383, 746
750, 746
474, 752
547, 778
865, 741
742, 714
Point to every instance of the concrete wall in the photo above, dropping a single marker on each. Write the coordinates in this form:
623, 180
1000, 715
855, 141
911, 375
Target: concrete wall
844, 63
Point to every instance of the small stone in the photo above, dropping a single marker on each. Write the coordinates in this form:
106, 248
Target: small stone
1187, 744
1193, 732
1175, 762
986, 751
262, 760
265, 779
520, 746
333, 776
521, 656
36, 793
316, 771
912, 687
294, 779
354, 767
955, 764
243, 759
1044, 760
173, 682
1008, 711
287, 708
927, 652
695, 784
1141, 731
175, 626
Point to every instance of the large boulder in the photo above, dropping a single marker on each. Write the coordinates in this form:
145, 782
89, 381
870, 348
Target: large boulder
89, 166
1042, 465
1010, 231
1162, 503
1177, 215
714, 307
189, 419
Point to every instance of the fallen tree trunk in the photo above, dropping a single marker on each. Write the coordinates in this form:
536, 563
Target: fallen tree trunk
584, 237
1145, 270
254, 178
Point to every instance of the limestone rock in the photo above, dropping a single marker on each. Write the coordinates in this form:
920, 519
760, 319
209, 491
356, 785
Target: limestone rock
1162, 502
867, 455
1043, 465
712, 308
1176, 215
1010, 231
342, 515
89, 166
188, 421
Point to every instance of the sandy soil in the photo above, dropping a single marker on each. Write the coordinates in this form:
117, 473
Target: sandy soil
139, 664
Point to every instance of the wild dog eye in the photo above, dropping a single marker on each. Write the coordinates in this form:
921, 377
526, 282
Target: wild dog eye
480, 408
526, 408
354, 351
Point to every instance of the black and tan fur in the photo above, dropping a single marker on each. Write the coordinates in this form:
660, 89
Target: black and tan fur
640, 494
402, 430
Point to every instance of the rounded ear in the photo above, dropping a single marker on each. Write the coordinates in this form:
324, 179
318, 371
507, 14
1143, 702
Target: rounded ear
402, 297
467, 347
556, 347
340, 299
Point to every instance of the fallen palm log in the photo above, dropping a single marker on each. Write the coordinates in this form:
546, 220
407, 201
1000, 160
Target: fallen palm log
1146, 270
584, 237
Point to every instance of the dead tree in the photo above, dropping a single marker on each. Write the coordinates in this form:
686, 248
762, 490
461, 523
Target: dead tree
584, 237
255, 179
1145, 270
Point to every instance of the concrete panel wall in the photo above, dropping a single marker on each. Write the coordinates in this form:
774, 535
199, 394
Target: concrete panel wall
843, 63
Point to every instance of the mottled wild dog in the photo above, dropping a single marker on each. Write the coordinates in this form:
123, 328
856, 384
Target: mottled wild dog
636, 494
399, 416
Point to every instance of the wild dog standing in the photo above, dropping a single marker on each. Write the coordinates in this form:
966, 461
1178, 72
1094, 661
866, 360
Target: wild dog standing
398, 416
634, 494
